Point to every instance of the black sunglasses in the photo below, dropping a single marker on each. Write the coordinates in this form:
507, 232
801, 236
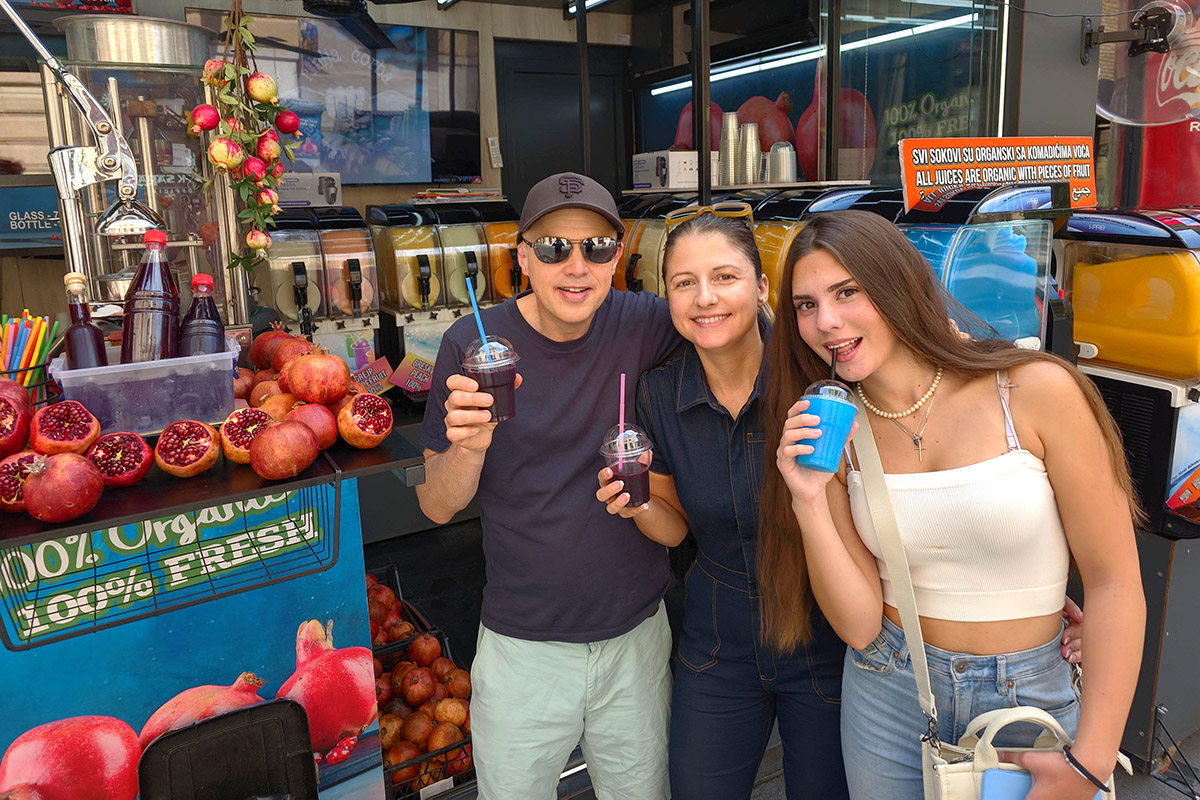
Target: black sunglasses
555, 249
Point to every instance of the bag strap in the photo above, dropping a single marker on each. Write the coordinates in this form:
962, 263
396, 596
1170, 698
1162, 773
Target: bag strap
888, 534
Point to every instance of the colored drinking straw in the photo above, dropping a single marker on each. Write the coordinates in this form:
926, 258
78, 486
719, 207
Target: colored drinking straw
478, 322
621, 427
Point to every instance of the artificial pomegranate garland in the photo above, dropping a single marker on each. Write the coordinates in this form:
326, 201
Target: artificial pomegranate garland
251, 131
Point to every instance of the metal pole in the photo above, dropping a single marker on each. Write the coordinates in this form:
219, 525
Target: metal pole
585, 88
701, 130
833, 91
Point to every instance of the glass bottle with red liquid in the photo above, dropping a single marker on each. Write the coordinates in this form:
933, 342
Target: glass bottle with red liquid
84, 339
201, 330
151, 329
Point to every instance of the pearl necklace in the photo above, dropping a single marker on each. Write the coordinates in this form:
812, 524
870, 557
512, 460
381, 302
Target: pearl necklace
879, 412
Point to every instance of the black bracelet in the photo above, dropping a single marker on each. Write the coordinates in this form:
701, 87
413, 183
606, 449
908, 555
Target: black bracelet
1075, 765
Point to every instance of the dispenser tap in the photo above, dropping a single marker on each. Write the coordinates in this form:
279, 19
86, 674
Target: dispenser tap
355, 284
300, 293
632, 282
424, 274
514, 271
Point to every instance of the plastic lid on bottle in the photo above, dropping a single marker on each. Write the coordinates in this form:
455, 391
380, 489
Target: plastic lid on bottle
74, 277
630, 440
157, 236
835, 390
496, 353
202, 279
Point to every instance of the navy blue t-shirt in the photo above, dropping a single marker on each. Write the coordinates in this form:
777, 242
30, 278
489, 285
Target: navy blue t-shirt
559, 567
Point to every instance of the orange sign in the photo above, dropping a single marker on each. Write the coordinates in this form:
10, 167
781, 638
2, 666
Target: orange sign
935, 169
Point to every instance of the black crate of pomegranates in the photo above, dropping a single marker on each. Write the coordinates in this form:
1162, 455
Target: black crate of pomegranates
424, 716
393, 619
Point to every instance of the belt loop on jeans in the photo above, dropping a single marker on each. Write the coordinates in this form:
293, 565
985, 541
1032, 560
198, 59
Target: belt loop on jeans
1001, 675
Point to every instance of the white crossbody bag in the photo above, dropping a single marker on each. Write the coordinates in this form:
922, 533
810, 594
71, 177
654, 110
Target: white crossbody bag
951, 771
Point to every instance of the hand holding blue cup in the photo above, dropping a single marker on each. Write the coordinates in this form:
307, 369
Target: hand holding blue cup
832, 403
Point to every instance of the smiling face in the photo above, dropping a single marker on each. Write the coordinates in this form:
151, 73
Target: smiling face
712, 291
833, 311
567, 295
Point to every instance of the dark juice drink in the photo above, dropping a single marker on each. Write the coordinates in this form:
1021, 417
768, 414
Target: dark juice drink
151, 330
627, 452
493, 365
201, 330
636, 477
84, 340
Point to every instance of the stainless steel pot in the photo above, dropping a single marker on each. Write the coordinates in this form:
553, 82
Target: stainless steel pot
115, 39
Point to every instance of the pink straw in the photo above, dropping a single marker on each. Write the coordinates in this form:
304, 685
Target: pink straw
621, 427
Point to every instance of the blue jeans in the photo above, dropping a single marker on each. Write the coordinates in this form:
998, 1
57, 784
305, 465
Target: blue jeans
730, 688
882, 722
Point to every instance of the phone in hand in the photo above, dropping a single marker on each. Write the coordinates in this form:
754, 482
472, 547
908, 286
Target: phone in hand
1009, 784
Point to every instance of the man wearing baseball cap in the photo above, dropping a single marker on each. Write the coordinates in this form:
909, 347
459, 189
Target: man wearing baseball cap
574, 645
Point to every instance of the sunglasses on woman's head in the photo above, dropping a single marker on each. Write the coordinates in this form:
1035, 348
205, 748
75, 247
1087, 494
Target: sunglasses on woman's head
556, 249
727, 209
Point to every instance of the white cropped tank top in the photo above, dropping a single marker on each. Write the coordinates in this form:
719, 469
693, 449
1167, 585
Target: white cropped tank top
984, 542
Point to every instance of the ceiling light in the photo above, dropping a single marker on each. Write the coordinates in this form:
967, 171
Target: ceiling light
588, 4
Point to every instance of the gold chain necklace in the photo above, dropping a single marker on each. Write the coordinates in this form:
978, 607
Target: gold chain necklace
879, 412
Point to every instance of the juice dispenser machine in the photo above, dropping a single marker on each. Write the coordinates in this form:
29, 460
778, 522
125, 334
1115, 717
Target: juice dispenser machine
351, 286
1133, 278
500, 222
291, 278
464, 251
632, 208
410, 261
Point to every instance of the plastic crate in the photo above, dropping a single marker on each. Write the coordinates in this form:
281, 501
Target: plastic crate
390, 577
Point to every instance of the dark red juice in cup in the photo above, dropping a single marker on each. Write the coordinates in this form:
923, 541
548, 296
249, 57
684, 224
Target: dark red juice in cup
627, 452
636, 477
493, 365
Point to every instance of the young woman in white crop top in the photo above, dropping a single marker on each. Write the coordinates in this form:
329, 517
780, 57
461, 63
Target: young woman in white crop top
1001, 463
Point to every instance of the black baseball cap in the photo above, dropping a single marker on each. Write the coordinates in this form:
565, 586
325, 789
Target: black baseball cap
569, 190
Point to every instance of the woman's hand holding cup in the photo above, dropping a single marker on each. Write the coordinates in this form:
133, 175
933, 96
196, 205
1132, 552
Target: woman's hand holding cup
612, 492
800, 432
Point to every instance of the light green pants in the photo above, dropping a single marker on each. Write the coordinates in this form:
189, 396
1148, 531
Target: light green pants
534, 701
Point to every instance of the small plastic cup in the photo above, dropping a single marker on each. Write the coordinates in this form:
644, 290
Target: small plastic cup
626, 452
493, 365
832, 402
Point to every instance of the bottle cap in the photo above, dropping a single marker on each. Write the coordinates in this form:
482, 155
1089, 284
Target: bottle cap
74, 277
202, 279
155, 236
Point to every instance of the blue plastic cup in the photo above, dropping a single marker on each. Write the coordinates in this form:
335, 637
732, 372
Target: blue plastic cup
829, 400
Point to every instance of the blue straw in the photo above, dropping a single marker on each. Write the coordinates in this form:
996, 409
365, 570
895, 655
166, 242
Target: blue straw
478, 321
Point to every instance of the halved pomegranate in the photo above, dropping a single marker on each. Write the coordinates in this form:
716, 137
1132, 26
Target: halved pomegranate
65, 427
62, 487
123, 458
186, 448
239, 430
14, 426
365, 421
13, 472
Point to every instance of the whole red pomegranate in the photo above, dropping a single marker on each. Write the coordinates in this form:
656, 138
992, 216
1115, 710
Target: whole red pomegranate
684, 133
452, 710
201, 702
365, 421
265, 375
243, 383
286, 351
417, 686
337, 406
320, 377
123, 458
14, 391
65, 427
262, 391
319, 419
398, 753
443, 735
441, 667
187, 448
62, 487
78, 757
336, 687
14, 426
239, 430
265, 343
283, 450
771, 118
857, 125
13, 472
458, 681
278, 405
424, 650
287, 122
416, 729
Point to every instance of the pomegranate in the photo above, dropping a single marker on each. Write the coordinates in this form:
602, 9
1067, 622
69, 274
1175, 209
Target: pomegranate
258, 240
452, 710
201, 702
279, 405
287, 122
371, 580
458, 681
239, 430
440, 693
389, 731
424, 650
65, 427
261, 88
13, 472
397, 707
379, 638
319, 377
214, 72
431, 773
187, 448
255, 168
265, 375
417, 686
441, 667
287, 350
262, 391
14, 426
62, 487
234, 125
14, 391
400, 631
376, 611
277, 170
365, 421
458, 761
270, 133
443, 736
203, 118
243, 383
383, 690
225, 154
68, 759
771, 117
400, 752
398, 674
383, 593
416, 729
337, 406
320, 421
336, 687
683, 131
123, 458
857, 127
269, 197
378, 665
283, 379
283, 450
268, 149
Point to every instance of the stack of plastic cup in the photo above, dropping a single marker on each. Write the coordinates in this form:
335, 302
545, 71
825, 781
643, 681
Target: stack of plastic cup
781, 163
626, 452
728, 149
750, 154
494, 367
832, 402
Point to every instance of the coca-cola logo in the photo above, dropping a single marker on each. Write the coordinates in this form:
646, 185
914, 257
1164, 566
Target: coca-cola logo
1179, 74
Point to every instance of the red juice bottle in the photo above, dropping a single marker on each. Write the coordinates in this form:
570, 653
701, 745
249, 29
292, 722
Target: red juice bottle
151, 307
85, 341
201, 330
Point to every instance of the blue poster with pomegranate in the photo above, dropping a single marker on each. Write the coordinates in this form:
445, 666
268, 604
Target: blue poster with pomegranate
111, 638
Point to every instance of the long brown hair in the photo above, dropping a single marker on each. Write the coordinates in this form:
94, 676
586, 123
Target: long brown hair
906, 293
737, 231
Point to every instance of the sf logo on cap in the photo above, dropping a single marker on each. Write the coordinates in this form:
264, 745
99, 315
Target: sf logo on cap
569, 185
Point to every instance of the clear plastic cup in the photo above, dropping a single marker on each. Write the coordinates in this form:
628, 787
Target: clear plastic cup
493, 365
831, 401
626, 452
